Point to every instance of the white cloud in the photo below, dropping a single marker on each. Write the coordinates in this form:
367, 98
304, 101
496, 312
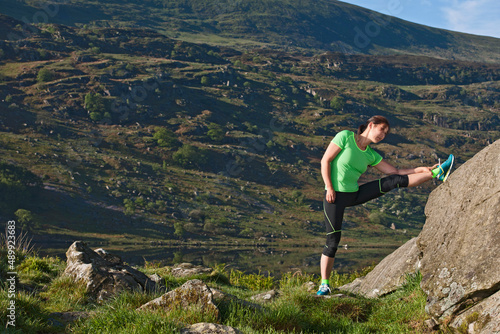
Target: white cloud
472, 16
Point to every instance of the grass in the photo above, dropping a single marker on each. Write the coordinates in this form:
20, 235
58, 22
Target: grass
295, 310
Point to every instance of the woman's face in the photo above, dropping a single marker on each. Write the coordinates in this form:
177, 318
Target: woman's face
378, 132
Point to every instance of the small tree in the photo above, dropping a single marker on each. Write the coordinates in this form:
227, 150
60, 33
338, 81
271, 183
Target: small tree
129, 206
94, 103
205, 81
164, 137
95, 116
337, 103
45, 75
215, 132
179, 229
26, 219
376, 217
189, 155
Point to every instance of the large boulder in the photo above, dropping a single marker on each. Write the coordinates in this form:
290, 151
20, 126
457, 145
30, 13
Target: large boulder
389, 274
460, 240
483, 317
104, 274
192, 294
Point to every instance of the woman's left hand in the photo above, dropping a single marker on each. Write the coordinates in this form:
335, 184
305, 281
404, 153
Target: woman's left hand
425, 169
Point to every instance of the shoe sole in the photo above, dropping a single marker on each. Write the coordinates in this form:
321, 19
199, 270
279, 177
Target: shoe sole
449, 169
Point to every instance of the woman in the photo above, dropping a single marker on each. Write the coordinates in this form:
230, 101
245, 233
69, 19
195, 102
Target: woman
345, 159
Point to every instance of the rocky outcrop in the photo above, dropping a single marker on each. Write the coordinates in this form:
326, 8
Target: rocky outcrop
389, 274
457, 250
104, 274
193, 294
460, 240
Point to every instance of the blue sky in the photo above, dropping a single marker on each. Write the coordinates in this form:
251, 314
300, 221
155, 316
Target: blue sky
479, 17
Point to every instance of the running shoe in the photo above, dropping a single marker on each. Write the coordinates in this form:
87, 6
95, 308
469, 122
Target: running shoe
445, 168
324, 289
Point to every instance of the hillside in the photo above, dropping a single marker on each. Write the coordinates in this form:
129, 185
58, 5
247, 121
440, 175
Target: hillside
309, 26
134, 138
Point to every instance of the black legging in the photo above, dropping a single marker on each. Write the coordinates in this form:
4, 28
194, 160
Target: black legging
334, 212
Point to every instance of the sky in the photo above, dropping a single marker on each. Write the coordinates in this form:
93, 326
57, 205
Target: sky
478, 17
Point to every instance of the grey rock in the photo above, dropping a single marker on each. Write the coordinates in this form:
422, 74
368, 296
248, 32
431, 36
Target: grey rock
482, 318
220, 296
160, 282
103, 278
460, 240
431, 324
266, 296
310, 286
389, 274
189, 269
112, 258
193, 293
207, 328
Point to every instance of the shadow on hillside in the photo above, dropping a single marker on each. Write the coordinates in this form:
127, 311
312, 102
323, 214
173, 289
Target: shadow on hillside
13, 118
69, 217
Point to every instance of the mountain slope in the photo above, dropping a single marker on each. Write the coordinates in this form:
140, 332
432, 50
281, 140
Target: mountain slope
140, 139
319, 25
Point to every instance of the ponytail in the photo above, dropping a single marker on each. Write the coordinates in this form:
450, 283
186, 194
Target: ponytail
374, 120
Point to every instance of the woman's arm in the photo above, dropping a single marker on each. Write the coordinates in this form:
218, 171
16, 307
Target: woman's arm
389, 169
331, 152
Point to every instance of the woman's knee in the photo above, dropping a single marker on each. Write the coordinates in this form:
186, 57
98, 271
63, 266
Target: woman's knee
393, 181
332, 244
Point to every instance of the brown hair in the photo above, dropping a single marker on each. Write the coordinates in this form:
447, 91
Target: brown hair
375, 120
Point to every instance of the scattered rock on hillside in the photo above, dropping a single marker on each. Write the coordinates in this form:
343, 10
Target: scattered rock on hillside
103, 278
193, 293
266, 296
389, 274
207, 328
310, 286
189, 269
460, 240
221, 296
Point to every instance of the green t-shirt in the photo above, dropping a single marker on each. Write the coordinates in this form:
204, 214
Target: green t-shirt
351, 162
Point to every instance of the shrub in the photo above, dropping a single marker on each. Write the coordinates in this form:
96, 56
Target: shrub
215, 132
129, 206
189, 155
179, 229
205, 81
94, 103
45, 75
26, 219
165, 138
254, 282
95, 116
376, 217
337, 103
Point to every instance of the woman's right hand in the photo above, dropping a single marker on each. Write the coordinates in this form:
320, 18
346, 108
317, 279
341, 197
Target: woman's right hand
330, 195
